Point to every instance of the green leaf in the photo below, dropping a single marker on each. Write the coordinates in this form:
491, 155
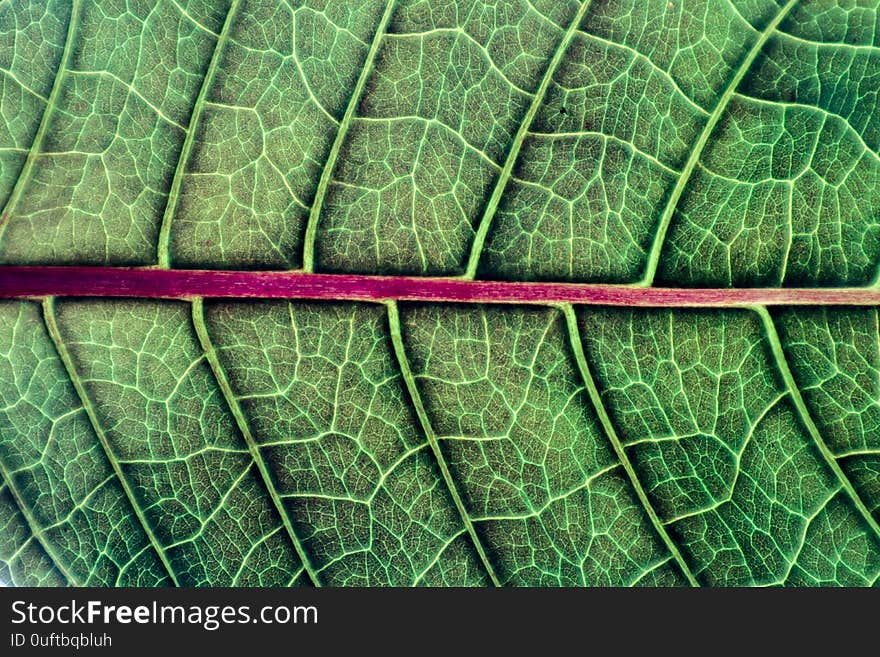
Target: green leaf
725, 449
73, 522
550, 500
835, 360
323, 394
198, 441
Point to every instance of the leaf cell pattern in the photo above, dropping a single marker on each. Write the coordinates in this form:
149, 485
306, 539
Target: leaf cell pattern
208, 442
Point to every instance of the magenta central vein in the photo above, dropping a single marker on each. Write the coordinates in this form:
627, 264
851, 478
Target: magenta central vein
23, 282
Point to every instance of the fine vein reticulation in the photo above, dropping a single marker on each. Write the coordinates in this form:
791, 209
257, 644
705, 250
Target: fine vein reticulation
198, 314
338, 140
164, 250
61, 348
432, 293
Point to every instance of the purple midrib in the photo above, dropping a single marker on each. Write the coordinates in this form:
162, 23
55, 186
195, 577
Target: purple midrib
17, 282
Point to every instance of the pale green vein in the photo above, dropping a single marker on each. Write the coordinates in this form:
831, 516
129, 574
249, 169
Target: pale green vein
871, 151
132, 90
437, 557
91, 413
249, 554
198, 318
534, 512
650, 570
164, 246
460, 32
700, 144
518, 140
341, 133
866, 47
428, 430
802, 539
858, 452
14, 77
36, 532
577, 347
782, 366
34, 152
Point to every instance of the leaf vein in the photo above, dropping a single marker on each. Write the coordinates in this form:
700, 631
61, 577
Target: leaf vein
803, 412
163, 254
85, 400
428, 430
703, 139
518, 140
341, 134
32, 524
593, 392
26, 169
198, 318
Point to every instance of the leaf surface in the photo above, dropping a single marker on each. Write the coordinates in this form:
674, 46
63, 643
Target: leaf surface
206, 439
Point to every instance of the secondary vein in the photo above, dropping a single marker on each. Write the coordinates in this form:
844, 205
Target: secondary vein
428, 430
828, 456
85, 400
198, 317
341, 133
703, 139
36, 146
593, 392
518, 140
164, 246
36, 532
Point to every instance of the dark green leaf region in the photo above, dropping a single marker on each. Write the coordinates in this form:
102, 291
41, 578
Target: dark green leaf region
271, 442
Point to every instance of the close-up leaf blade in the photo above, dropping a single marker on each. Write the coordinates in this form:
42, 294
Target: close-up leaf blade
57, 472
692, 401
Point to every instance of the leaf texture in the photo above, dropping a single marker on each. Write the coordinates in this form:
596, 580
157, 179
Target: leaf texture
231, 442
